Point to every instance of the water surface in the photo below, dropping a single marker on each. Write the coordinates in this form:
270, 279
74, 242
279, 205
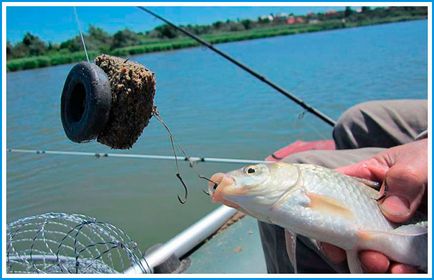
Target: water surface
214, 109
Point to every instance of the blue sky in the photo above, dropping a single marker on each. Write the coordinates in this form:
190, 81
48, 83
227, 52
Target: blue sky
57, 24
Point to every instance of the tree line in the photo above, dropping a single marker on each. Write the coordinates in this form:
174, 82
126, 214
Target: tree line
98, 39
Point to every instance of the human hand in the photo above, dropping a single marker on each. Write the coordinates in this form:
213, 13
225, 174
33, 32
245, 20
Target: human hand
372, 261
403, 171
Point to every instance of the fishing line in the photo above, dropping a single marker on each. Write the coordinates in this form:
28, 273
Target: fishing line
157, 115
301, 115
191, 164
260, 77
314, 128
81, 33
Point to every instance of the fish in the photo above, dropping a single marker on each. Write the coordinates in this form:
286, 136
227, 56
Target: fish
324, 205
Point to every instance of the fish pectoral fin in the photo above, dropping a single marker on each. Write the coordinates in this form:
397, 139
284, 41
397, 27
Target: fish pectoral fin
376, 189
372, 184
354, 264
291, 248
328, 205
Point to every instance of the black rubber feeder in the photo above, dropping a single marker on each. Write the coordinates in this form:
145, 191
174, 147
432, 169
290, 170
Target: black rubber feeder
111, 101
86, 102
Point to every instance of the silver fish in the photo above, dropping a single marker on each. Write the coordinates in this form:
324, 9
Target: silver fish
321, 204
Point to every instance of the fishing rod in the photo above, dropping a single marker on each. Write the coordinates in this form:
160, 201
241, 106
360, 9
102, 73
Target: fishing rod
191, 160
262, 78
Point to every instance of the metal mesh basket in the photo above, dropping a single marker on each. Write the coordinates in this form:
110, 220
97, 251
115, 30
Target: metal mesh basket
68, 243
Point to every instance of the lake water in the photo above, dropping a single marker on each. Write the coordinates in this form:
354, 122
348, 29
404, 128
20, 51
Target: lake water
214, 109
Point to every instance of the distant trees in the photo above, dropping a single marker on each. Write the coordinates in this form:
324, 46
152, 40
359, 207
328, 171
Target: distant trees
9, 49
31, 45
217, 24
348, 12
99, 40
365, 9
165, 31
247, 23
72, 45
125, 38
263, 20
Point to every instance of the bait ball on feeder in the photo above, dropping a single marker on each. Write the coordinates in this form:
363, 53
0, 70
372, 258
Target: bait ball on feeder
133, 90
111, 100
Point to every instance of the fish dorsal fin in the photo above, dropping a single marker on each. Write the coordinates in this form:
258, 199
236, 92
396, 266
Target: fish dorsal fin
291, 248
328, 205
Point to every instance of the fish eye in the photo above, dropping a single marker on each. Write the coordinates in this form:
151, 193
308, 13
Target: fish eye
250, 170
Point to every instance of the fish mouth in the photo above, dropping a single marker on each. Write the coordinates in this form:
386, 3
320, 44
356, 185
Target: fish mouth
221, 185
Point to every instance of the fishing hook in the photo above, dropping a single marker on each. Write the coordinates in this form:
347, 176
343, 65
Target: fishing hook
182, 201
156, 114
209, 180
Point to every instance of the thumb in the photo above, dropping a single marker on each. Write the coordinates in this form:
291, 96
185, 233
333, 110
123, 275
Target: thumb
404, 191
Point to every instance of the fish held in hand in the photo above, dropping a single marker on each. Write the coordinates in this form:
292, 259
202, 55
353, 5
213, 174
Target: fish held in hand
322, 204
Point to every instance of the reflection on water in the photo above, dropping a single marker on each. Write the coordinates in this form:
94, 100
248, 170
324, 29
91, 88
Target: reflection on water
214, 109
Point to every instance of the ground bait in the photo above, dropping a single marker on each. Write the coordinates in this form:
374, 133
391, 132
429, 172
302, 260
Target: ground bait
133, 90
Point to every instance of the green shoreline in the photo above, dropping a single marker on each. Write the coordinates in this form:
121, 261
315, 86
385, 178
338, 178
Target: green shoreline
181, 43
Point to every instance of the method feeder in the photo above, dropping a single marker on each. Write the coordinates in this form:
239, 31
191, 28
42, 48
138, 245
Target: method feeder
111, 100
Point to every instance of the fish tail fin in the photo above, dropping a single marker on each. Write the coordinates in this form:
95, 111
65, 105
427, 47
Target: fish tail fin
416, 236
405, 244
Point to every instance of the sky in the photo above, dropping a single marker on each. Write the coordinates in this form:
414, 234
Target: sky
57, 24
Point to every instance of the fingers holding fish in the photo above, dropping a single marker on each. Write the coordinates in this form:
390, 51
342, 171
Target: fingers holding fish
403, 171
335, 254
406, 190
372, 261
376, 262
399, 268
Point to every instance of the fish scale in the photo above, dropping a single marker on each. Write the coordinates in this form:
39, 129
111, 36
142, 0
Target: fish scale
353, 194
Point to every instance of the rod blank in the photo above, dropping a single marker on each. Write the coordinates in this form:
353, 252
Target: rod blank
138, 156
260, 77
